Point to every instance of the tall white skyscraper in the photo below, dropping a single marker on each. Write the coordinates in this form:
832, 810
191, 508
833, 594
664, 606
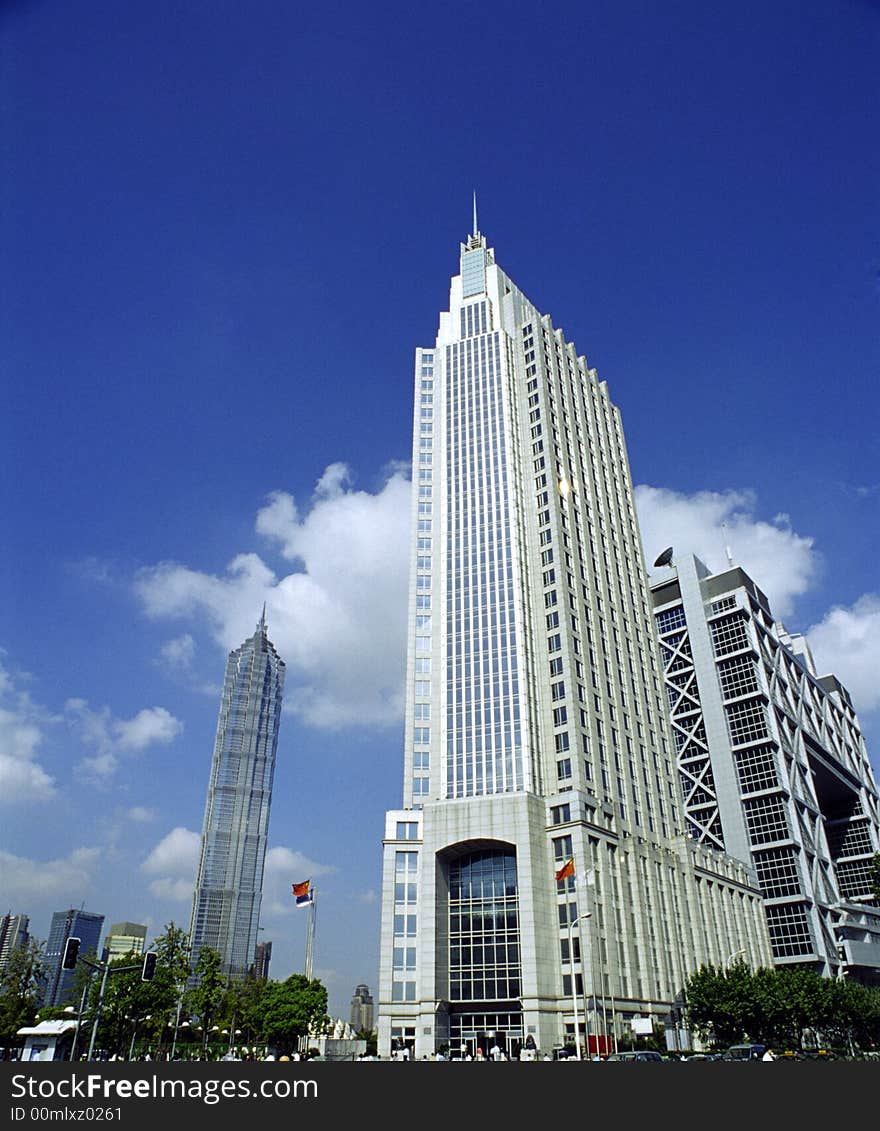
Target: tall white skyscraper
536, 728
229, 887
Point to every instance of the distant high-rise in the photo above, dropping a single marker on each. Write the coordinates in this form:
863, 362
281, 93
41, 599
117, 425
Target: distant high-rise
536, 736
13, 934
82, 925
229, 885
124, 938
362, 1010
262, 958
773, 766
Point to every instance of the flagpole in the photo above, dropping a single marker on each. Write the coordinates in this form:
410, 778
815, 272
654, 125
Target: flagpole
310, 935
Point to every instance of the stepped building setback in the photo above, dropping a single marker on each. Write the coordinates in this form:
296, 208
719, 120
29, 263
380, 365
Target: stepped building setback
536, 727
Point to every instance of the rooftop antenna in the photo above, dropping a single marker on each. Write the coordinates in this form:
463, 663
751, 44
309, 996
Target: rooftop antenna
726, 547
476, 229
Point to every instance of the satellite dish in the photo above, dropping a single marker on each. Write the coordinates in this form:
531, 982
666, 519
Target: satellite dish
665, 558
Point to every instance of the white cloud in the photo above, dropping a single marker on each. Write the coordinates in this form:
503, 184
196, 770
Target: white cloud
176, 854
293, 866
178, 654
338, 621
177, 891
22, 781
150, 726
781, 562
174, 861
141, 814
22, 732
368, 897
111, 736
846, 643
285, 867
27, 880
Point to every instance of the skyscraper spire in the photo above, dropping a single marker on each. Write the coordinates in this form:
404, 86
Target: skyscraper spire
262, 626
476, 231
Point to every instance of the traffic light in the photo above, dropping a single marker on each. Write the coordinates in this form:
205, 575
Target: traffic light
149, 969
71, 950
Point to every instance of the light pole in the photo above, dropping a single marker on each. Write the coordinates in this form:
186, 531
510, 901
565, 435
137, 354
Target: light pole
731, 957
577, 1038
176, 1024
134, 1033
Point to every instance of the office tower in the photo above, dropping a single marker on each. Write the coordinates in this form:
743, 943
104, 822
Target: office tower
361, 1016
229, 886
262, 958
123, 939
772, 764
536, 731
13, 933
82, 925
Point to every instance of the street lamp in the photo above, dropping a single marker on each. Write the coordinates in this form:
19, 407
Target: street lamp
731, 957
577, 1038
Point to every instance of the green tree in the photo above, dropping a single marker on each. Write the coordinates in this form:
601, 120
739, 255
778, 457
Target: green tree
204, 999
242, 1009
127, 1002
169, 984
289, 1008
21, 987
721, 1004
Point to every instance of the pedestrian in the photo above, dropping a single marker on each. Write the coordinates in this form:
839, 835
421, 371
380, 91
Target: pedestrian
769, 1055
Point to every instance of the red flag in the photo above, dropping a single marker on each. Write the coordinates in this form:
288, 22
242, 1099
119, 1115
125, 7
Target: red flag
303, 893
566, 870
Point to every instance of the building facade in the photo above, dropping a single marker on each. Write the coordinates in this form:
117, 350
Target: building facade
72, 923
362, 1010
536, 730
262, 958
229, 885
123, 939
772, 765
13, 934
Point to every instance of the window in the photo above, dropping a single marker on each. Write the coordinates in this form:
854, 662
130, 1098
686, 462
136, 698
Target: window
670, 619
556, 666
778, 873
562, 742
560, 716
557, 690
407, 830
746, 721
729, 635
756, 768
738, 676
563, 769
766, 819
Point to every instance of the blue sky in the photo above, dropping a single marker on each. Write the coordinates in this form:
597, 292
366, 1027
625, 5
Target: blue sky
223, 230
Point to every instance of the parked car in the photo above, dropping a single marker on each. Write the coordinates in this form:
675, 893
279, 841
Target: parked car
745, 1052
638, 1055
